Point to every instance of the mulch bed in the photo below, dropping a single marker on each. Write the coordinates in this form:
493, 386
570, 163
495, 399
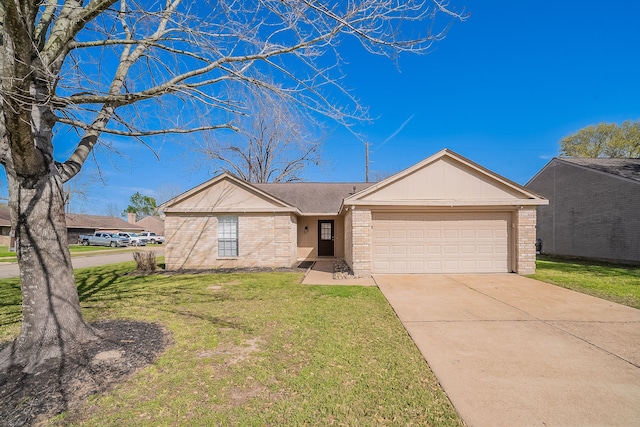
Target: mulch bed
62, 384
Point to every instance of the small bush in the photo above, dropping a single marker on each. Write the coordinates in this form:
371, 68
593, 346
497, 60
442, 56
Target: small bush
146, 261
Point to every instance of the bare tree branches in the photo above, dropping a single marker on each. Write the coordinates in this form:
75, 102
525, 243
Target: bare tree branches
141, 68
94, 58
273, 143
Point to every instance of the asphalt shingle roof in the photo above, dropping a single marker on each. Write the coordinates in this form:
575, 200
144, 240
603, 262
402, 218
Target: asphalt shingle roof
98, 222
152, 223
314, 197
627, 168
81, 221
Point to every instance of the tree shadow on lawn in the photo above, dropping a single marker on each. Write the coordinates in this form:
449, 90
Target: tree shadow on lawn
10, 302
63, 383
124, 346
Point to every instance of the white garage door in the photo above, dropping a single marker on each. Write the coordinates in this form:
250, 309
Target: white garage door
441, 242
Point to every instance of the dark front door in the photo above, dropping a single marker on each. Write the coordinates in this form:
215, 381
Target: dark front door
325, 237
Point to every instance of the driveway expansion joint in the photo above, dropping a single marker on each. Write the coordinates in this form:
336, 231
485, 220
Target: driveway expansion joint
554, 367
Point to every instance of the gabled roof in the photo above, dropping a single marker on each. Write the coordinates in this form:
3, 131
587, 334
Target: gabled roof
314, 198
99, 222
626, 168
226, 193
82, 221
445, 179
303, 198
152, 223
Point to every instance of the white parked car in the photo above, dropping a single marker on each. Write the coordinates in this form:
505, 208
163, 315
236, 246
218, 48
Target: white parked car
134, 238
152, 237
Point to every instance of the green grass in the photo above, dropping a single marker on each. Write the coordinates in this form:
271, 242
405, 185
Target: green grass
4, 252
9, 256
82, 248
255, 349
615, 283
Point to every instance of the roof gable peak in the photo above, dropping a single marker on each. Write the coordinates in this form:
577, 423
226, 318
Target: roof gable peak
446, 178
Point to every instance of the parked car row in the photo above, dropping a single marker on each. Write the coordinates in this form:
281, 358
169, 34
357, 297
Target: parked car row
101, 238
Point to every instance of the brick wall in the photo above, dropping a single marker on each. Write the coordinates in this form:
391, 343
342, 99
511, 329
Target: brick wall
264, 240
525, 222
361, 241
348, 238
590, 214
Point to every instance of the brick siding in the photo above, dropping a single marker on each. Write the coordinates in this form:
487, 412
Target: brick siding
264, 240
361, 236
526, 240
590, 214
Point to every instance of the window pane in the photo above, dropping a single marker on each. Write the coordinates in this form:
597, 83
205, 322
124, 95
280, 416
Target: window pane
325, 231
228, 236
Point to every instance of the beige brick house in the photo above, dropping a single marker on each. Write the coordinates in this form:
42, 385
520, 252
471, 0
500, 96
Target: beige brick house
594, 209
445, 214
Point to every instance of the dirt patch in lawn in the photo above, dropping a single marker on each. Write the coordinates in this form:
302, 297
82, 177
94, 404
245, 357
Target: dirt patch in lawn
62, 384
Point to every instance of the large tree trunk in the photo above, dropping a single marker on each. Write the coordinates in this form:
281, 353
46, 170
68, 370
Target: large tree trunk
51, 320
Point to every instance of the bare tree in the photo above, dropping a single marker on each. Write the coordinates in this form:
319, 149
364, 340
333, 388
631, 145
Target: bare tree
139, 69
78, 192
167, 192
112, 209
273, 142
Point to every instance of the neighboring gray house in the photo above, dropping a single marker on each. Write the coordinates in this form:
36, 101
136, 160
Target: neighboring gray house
594, 208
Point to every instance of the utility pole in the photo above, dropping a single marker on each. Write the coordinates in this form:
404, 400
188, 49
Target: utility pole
366, 161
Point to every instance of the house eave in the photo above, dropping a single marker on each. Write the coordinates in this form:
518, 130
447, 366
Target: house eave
315, 214
205, 210
446, 203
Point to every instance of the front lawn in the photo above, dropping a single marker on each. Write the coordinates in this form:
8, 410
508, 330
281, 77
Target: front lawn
615, 283
255, 349
82, 248
10, 256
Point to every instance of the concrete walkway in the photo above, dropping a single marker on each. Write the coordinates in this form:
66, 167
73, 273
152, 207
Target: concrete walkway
512, 351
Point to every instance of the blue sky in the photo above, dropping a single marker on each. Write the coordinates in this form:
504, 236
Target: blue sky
501, 89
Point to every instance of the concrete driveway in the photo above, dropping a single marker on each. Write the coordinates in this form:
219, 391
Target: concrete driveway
512, 351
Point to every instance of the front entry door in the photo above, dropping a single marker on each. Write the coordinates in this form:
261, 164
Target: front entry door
325, 237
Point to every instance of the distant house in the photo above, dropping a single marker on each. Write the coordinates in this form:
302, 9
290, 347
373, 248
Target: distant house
594, 208
88, 224
5, 226
76, 224
154, 224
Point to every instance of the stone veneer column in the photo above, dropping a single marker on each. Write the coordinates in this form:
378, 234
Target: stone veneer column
526, 240
348, 238
361, 241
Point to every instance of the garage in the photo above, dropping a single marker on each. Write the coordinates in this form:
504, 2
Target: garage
445, 242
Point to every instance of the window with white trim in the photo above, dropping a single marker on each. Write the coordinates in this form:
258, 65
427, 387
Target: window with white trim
228, 236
